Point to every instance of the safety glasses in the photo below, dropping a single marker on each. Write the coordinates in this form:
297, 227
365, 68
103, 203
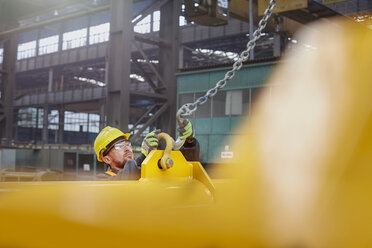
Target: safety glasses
116, 146
121, 144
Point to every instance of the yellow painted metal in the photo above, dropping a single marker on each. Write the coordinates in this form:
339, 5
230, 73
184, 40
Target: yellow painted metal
150, 168
281, 5
11, 175
184, 170
300, 176
239, 9
332, 1
166, 162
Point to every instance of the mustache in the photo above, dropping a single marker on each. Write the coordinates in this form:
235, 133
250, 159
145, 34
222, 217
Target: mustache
128, 155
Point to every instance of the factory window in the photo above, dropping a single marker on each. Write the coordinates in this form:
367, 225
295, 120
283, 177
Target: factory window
182, 21
53, 118
185, 98
255, 92
48, 45
218, 104
74, 39
1, 55
156, 21
99, 33
81, 122
144, 26
222, 7
246, 101
30, 117
40, 118
26, 50
26, 117
76, 121
204, 110
93, 123
234, 102
224, 103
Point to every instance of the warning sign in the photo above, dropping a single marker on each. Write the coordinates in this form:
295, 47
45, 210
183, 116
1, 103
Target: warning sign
282, 5
227, 153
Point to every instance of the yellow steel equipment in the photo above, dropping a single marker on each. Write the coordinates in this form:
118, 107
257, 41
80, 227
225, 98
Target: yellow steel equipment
300, 177
282, 5
11, 175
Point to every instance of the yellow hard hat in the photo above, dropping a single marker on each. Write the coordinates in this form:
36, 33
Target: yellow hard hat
105, 137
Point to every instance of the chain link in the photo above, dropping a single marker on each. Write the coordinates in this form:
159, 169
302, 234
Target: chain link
189, 108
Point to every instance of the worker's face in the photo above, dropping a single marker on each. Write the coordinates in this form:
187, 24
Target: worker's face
119, 155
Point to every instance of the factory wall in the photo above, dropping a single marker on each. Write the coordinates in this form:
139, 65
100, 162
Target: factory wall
25, 134
52, 159
215, 121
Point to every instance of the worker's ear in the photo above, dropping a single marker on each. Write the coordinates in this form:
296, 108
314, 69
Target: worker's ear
106, 159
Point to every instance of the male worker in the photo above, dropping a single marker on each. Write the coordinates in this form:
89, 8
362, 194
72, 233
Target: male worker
113, 148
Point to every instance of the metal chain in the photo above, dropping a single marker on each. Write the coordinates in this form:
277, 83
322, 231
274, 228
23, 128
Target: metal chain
189, 108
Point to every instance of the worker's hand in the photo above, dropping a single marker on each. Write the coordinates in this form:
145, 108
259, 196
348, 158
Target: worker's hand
150, 142
187, 131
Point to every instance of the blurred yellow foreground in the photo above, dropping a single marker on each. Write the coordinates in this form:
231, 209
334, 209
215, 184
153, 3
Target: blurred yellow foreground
302, 177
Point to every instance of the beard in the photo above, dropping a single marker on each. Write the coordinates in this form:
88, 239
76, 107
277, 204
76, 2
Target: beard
121, 163
128, 155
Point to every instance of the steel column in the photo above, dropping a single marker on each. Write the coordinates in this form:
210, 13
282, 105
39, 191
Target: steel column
276, 45
50, 80
251, 53
34, 130
77, 164
102, 115
8, 86
61, 124
180, 57
168, 61
121, 33
45, 133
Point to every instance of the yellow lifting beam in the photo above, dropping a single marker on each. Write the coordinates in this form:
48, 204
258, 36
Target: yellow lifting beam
300, 176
